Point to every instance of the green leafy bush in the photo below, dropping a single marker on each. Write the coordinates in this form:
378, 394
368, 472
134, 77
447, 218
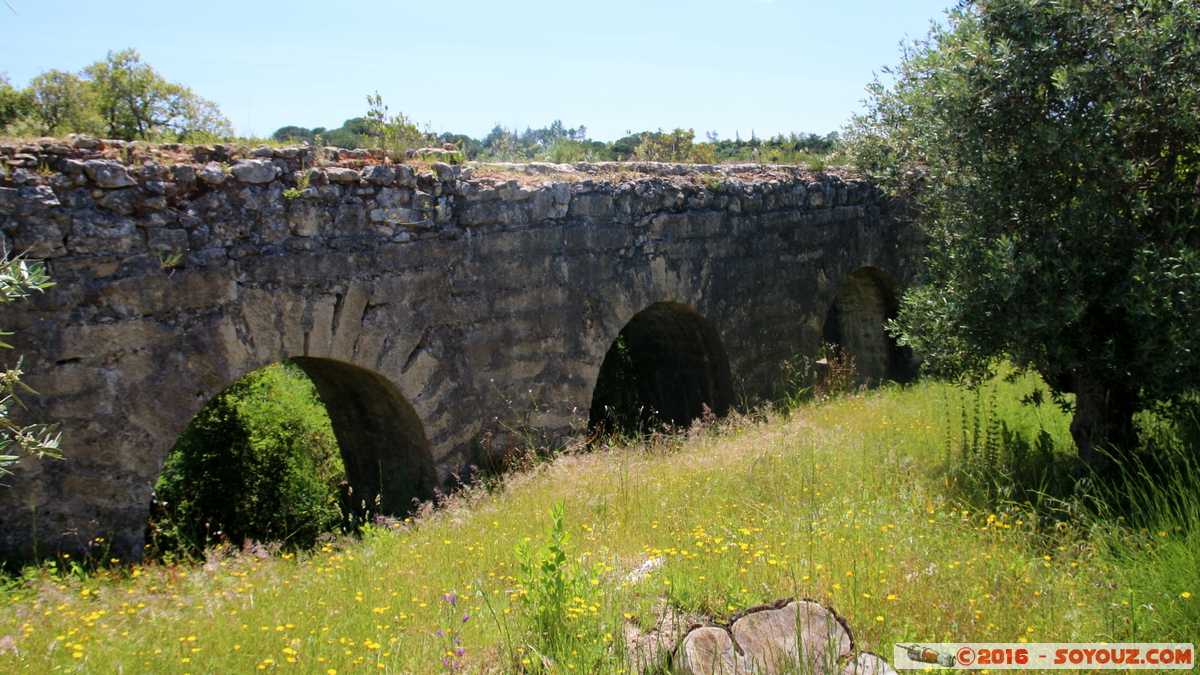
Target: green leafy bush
675, 146
258, 462
559, 593
1049, 147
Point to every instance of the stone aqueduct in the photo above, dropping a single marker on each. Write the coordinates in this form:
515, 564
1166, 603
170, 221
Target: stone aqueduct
426, 302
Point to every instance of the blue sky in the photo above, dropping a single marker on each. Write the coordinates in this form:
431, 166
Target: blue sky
771, 66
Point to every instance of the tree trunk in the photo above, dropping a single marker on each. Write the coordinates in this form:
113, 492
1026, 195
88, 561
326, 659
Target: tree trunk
1103, 424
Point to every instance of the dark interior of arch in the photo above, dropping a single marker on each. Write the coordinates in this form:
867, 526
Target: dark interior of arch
855, 323
666, 364
383, 443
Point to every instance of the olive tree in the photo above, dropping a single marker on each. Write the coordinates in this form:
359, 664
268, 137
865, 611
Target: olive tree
17, 278
1052, 152
14, 103
61, 103
134, 102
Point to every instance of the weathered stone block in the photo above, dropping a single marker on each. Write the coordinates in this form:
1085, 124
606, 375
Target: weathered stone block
254, 171
379, 174
159, 239
212, 173
350, 218
94, 234
595, 205
445, 172
307, 219
342, 175
40, 238
395, 215
108, 173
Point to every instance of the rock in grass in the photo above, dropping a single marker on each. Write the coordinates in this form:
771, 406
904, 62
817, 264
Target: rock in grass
778, 640
784, 637
707, 651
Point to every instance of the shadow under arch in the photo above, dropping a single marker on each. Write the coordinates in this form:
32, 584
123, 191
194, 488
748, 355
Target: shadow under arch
855, 323
384, 448
664, 366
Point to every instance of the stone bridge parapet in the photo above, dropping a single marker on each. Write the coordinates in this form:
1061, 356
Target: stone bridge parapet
429, 302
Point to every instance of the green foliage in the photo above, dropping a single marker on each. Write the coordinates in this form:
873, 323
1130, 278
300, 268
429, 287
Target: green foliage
1051, 148
379, 129
258, 462
62, 103
394, 134
505, 145
556, 143
352, 134
560, 144
812, 149
625, 147
555, 587
857, 502
14, 103
294, 134
17, 278
169, 260
675, 146
549, 578
301, 186
469, 147
119, 97
134, 102
623, 392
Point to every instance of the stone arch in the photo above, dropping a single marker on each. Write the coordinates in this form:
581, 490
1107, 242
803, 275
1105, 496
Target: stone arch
384, 447
855, 323
664, 366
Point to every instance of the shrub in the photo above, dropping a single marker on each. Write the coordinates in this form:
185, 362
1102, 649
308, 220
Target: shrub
258, 462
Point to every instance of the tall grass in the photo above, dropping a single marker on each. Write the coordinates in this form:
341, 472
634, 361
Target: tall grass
921, 514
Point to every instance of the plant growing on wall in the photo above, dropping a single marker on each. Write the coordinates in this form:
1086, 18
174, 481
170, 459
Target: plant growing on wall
394, 134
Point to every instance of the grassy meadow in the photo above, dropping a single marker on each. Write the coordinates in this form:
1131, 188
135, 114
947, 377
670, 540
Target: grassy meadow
922, 514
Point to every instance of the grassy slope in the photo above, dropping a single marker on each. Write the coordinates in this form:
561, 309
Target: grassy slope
868, 504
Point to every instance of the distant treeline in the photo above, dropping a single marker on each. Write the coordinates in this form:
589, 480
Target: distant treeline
123, 97
559, 143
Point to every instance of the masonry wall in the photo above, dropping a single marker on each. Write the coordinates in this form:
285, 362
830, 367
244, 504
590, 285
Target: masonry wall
486, 296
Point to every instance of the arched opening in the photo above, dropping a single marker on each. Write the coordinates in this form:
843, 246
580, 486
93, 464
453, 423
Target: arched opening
855, 324
387, 456
665, 366
288, 452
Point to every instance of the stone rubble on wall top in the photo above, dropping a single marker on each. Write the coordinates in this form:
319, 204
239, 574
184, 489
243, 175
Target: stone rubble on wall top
254, 171
82, 196
108, 173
